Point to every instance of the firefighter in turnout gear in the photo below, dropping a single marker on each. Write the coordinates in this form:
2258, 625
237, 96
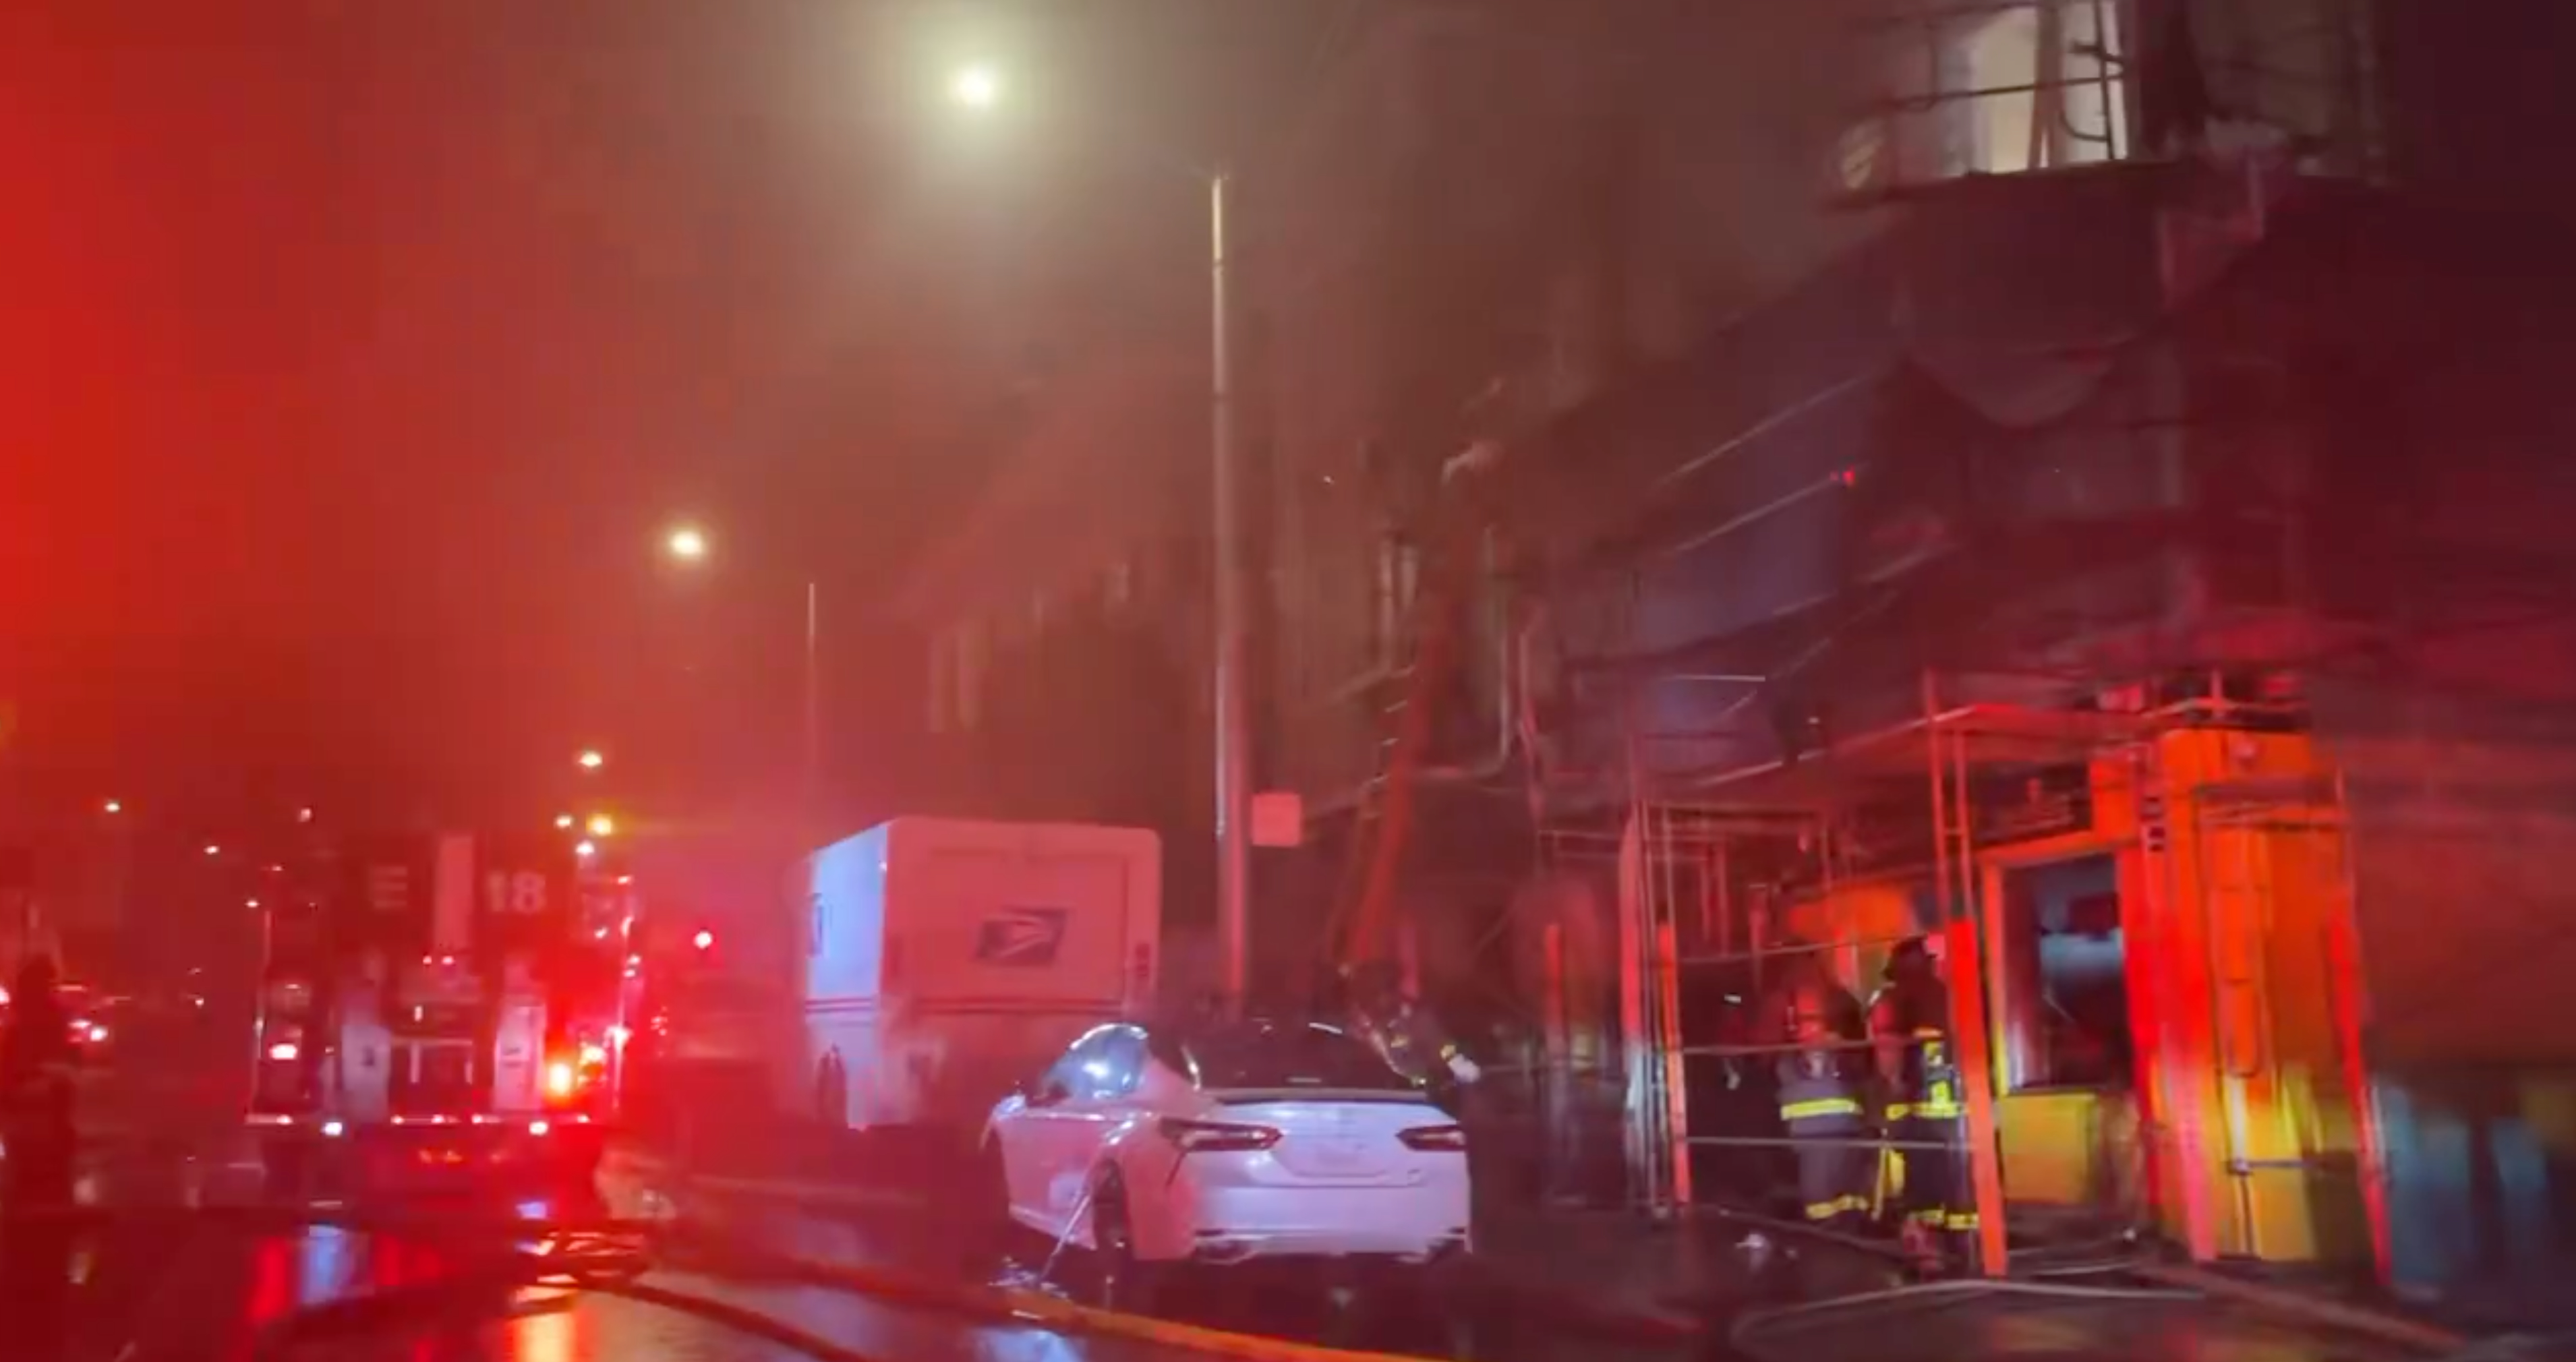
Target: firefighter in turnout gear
1909, 1021
1820, 1105
1410, 1038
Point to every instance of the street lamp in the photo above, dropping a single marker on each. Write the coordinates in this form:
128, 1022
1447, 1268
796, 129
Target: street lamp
976, 87
564, 821
979, 88
112, 806
591, 759
601, 825
585, 849
688, 544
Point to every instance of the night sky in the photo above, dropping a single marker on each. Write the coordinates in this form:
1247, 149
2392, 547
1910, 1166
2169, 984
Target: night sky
359, 352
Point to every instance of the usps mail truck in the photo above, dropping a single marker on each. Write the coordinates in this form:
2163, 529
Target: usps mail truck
946, 960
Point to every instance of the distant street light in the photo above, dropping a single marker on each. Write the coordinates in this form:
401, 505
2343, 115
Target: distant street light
601, 825
585, 849
976, 87
113, 806
305, 814
213, 850
687, 543
564, 821
704, 940
591, 759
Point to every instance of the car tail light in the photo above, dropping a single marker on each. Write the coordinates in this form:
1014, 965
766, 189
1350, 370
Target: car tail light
1450, 1138
1217, 1137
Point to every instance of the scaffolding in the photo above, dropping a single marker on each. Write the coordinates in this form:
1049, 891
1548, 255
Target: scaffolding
1705, 871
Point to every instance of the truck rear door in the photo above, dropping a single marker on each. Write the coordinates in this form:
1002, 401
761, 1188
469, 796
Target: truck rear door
999, 954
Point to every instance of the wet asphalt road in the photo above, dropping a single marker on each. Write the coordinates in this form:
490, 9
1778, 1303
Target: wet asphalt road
176, 1268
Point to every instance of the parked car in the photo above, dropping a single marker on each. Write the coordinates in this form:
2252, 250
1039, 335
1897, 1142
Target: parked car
1147, 1146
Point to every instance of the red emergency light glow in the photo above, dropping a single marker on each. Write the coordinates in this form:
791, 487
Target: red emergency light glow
559, 1079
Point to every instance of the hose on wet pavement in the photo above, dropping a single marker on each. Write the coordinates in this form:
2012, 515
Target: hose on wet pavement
1746, 1324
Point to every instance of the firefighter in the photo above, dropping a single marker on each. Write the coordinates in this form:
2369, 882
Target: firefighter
1909, 1024
1402, 1030
1820, 1106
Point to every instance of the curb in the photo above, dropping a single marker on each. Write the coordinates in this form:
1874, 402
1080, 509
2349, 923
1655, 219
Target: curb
1519, 1290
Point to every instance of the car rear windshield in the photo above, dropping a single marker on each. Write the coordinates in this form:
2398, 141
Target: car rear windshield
1291, 1057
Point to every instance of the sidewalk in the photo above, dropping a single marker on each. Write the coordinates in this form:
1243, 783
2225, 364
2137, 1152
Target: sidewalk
1638, 1276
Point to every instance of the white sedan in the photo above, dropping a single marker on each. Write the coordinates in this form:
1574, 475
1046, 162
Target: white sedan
1257, 1140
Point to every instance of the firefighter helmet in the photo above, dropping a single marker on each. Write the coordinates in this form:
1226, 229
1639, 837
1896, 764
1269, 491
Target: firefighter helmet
1809, 1010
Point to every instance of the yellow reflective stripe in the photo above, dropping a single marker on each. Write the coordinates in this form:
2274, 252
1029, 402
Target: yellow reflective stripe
1841, 1205
1898, 1111
1938, 1110
1945, 1220
1821, 1106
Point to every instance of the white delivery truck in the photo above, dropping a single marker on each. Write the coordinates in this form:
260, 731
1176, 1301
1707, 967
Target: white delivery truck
946, 960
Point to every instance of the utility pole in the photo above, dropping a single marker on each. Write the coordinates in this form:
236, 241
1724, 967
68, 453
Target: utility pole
813, 767
1233, 714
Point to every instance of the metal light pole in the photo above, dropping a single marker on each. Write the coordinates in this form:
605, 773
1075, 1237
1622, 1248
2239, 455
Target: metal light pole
982, 88
1233, 712
812, 797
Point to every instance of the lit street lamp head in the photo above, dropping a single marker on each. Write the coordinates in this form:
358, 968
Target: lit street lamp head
591, 760
976, 87
688, 544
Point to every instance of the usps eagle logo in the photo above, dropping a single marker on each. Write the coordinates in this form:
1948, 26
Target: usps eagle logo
1028, 937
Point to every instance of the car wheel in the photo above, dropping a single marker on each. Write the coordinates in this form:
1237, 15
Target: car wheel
989, 1238
1450, 1291
1119, 1279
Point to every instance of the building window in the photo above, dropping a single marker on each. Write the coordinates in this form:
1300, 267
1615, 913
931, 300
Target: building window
943, 681
2066, 977
968, 669
1399, 571
1997, 89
